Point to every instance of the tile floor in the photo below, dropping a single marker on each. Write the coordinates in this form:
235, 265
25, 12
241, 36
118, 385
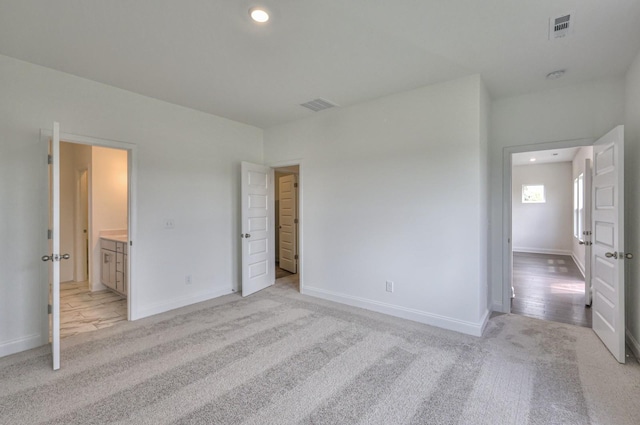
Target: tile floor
84, 311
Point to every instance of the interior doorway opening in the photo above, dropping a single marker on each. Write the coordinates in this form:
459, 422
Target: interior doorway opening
287, 257
94, 204
549, 216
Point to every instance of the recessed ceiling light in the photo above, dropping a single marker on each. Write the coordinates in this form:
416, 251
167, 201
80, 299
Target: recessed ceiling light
258, 14
532, 160
555, 74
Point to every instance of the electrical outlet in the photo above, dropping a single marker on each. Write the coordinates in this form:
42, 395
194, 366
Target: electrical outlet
187, 279
389, 286
169, 223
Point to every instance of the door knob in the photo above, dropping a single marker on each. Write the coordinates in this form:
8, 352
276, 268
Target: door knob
628, 256
581, 242
611, 255
247, 235
65, 256
47, 257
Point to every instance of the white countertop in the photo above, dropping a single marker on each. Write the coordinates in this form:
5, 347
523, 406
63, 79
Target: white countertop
116, 238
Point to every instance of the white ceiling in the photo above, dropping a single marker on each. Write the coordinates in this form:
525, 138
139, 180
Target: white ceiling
544, 157
208, 55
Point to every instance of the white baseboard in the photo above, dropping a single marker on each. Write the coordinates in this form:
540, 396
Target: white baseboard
633, 344
580, 266
177, 303
542, 251
466, 327
20, 344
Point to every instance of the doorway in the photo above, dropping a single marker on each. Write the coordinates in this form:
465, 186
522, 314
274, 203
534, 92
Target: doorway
548, 219
52, 140
93, 205
286, 225
258, 227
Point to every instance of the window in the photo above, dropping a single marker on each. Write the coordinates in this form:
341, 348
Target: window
578, 206
533, 194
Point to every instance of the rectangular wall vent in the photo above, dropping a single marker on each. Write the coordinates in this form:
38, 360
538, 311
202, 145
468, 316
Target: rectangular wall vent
318, 105
561, 26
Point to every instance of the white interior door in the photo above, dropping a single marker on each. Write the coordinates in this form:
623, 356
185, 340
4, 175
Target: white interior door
587, 231
53, 257
287, 217
258, 221
607, 254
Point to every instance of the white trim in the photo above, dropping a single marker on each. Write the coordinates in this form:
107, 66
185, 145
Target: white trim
181, 302
633, 344
299, 163
580, 266
21, 344
463, 326
507, 206
542, 251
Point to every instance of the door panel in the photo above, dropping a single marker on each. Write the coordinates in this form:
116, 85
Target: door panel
258, 235
288, 227
607, 253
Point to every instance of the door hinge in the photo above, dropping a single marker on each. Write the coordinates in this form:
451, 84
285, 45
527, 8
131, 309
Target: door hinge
49, 159
295, 221
48, 308
130, 243
295, 256
49, 234
295, 185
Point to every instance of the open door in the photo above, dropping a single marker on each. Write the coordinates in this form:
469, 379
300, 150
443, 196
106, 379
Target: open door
54, 243
587, 232
258, 235
607, 254
288, 223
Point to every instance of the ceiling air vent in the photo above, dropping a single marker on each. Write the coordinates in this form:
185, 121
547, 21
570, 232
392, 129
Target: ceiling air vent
561, 26
318, 105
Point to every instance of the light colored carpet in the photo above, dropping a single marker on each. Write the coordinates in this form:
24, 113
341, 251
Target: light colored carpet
278, 357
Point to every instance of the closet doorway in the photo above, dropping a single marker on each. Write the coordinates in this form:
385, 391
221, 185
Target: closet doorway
286, 224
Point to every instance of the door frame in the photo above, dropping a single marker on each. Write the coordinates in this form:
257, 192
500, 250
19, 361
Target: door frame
299, 163
507, 213
132, 183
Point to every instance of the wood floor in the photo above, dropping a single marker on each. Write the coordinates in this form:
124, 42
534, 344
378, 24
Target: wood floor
549, 287
84, 311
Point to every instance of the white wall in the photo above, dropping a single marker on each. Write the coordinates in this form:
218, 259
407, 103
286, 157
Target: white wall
188, 170
72, 159
393, 191
585, 111
67, 210
632, 201
547, 227
578, 167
